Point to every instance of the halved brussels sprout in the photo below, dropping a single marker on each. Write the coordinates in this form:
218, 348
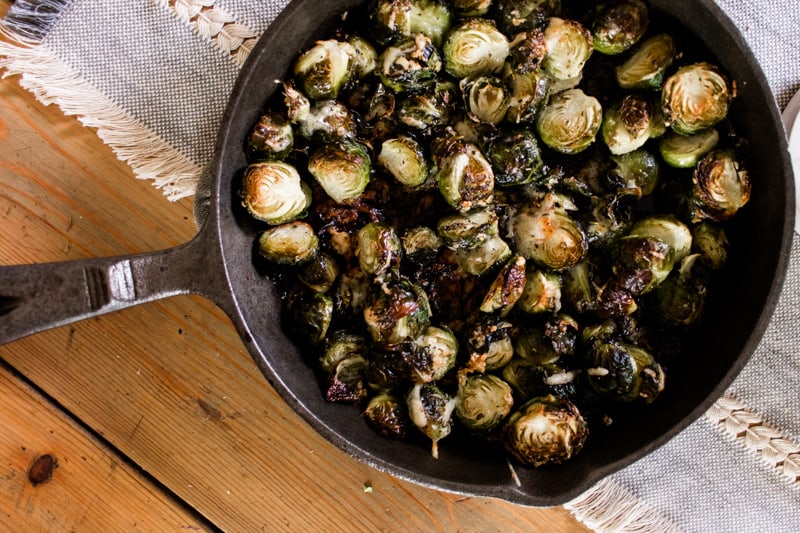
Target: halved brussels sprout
684, 151
475, 47
514, 16
527, 51
711, 242
411, 65
468, 230
489, 344
431, 411
404, 159
273, 192
569, 46
470, 8
516, 158
397, 310
327, 120
312, 315
695, 97
570, 121
465, 178
486, 98
646, 67
378, 248
350, 293
531, 380
681, 298
435, 354
627, 123
325, 69
388, 415
478, 261
635, 173
341, 169
365, 57
577, 289
506, 288
393, 20
271, 139
648, 379
533, 346
483, 401
427, 110
542, 293
289, 244
610, 367
529, 93
544, 232
721, 186
341, 345
346, 382
618, 25
545, 430
319, 273
421, 244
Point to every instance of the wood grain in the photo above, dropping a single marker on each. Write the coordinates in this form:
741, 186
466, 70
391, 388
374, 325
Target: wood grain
169, 386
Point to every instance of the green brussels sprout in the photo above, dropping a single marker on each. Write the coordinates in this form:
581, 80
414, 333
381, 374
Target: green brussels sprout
404, 159
533, 346
273, 192
684, 151
421, 244
379, 249
545, 430
486, 98
516, 159
429, 109
341, 345
527, 51
312, 316
289, 244
388, 415
365, 57
470, 8
489, 344
410, 66
346, 383
569, 46
695, 97
610, 367
645, 68
464, 176
271, 139
431, 411
721, 186
478, 261
530, 380
325, 69
544, 232
350, 293
435, 354
619, 25
609, 216
506, 288
475, 47
681, 298
468, 230
648, 379
483, 401
514, 16
341, 169
391, 365
577, 288
326, 121
396, 310
529, 93
319, 273
627, 124
542, 292
711, 242
570, 121
635, 173
392, 21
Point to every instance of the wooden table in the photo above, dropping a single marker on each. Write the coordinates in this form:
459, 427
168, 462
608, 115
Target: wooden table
156, 416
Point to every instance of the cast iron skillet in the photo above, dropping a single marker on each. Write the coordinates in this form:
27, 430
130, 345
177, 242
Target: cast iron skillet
218, 264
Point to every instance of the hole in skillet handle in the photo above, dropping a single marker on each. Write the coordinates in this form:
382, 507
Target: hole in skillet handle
713, 358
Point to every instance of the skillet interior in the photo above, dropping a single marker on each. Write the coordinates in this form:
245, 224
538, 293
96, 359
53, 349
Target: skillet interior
735, 320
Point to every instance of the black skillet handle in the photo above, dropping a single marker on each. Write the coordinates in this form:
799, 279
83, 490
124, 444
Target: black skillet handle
37, 297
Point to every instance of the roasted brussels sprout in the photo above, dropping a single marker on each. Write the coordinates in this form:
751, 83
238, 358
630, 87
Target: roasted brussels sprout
530, 380
404, 159
610, 367
646, 67
365, 57
483, 401
326, 120
618, 25
465, 178
397, 310
475, 47
394, 20
542, 292
533, 346
388, 415
325, 69
378, 248
289, 244
410, 65
431, 411
627, 124
681, 298
350, 293
506, 288
319, 273
516, 159
271, 139
529, 92
273, 192
569, 46
684, 151
427, 110
710, 241
341, 169
346, 382
570, 121
470, 8
341, 345
695, 97
486, 97
489, 344
421, 244
636, 173
648, 379
527, 51
312, 315
468, 230
577, 289
720, 186
477, 261
514, 16
545, 430
435, 354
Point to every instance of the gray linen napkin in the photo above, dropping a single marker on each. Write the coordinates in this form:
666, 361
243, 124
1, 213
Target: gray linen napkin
153, 76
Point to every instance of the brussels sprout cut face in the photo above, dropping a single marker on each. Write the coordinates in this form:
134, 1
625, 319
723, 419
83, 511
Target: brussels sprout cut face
569, 123
695, 97
619, 25
342, 170
273, 192
569, 45
475, 47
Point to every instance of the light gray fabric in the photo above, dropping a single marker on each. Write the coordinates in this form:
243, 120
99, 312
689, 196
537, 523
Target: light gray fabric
174, 81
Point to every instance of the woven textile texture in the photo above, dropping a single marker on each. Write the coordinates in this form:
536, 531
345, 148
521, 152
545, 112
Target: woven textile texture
153, 77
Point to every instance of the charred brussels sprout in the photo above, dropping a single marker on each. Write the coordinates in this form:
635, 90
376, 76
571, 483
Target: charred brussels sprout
570, 121
326, 121
475, 47
350, 293
646, 67
577, 289
393, 20
635, 173
627, 124
364, 58
619, 25
312, 316
545, 430
477, 261
569, 46
465, 178
427, 110
527, 51
468, 230
388, 415
516, 159
542, 292
273, 192
410, 66
271, 139
720, 186
421, 244
342, 169
341, 345
319, 273
404, 159
681, 298
610, 368
471, 8
346, 382
506, 288
325, 69
530, 380
435, 356
431, 411
648, 379
684, 151
486, 97
711, 242
289, 244
483, 401
489, 344
396, 310
378, 248
529, 92
695, 97
514, 16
